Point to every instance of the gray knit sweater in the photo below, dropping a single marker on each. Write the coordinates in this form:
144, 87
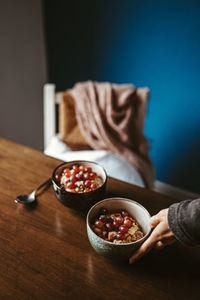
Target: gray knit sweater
184, 221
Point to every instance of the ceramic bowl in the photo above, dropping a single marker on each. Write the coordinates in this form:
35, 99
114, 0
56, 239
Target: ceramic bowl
79, 201
109, 249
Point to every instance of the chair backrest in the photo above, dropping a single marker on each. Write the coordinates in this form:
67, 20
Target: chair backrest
63, 99
68, 129
49, 113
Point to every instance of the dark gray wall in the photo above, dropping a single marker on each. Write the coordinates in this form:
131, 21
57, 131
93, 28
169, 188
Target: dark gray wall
22, 71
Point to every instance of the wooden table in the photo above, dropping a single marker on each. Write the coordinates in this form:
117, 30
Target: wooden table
45, 252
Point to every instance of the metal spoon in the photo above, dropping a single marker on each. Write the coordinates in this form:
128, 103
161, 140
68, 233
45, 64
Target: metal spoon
26, 199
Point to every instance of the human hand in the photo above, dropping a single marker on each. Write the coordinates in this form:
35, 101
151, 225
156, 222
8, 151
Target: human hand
159, 238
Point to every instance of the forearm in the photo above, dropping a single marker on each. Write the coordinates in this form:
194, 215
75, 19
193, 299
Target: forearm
184, 221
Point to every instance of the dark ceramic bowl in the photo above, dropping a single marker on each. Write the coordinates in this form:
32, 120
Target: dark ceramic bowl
108, 249
79, 201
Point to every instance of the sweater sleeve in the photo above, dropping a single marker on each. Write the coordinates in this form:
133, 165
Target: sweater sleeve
184, 221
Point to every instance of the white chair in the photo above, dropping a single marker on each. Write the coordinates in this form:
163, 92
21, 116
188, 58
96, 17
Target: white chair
115, 166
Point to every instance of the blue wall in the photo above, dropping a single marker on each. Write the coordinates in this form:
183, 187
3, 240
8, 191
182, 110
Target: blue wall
155, 44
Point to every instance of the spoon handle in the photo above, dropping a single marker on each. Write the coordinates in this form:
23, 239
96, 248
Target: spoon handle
48, 181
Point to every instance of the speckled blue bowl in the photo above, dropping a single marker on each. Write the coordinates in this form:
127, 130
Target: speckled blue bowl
109, 249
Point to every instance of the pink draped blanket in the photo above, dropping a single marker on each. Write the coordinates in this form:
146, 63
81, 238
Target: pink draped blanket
111, 117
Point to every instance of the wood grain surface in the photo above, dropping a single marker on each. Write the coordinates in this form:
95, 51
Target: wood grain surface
45, 252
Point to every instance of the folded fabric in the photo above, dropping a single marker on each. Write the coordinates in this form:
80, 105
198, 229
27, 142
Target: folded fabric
111, 117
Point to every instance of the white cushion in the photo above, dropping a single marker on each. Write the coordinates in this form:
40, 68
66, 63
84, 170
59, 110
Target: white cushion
115, 165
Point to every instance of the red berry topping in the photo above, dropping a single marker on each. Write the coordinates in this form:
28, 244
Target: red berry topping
120, 236
88, 183
103, 218
58, 177
73, 172
123, 229
116, 227
76, 168
109, 226
127, 222
116, 224
70, 185
92, 175
86, 176
124, 213
119, 219
81, 168
72, 178
99, 223
67, 172
88, 169
79, 176
93, 186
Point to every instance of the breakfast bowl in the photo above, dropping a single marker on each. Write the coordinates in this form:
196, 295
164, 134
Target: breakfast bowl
117, 241
79, 184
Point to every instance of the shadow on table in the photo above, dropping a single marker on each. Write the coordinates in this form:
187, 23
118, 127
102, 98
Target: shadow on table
174, 262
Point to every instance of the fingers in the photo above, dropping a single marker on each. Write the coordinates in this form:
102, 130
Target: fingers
166, 242
159, 245
159, 238
154, 221
145, 248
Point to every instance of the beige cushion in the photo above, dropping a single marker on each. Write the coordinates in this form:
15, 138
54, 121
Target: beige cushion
68, 127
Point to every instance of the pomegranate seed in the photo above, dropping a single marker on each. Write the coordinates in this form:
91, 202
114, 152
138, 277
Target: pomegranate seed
103, 218
93, 186
79, 176
72, 178
99, 224
58, 177
109, 226
116, 224
67, 172
76, 168
127, 222
88, 183
88, 169
70, 185
86, 176
120, 236
123, 229
73, 172
87, 190
124, 213
92, 175
81, 168
119, 219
